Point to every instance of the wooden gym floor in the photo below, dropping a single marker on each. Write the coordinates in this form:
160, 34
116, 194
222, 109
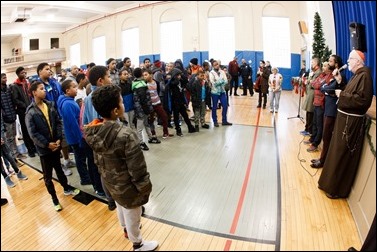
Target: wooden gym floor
243, 187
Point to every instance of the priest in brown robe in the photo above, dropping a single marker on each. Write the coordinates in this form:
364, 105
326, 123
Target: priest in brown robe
344, 153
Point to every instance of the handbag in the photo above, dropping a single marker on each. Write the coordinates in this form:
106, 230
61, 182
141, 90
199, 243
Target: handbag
257, 84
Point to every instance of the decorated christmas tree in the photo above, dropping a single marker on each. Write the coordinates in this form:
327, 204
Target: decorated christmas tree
320, 50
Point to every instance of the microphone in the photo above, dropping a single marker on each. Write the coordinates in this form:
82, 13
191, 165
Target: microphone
343, 68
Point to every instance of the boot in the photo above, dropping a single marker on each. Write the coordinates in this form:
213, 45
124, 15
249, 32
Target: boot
9, 182
191, 129
179, 131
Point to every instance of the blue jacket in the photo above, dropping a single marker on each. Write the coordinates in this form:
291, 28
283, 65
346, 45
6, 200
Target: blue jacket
89, 111
69, 111
53, 90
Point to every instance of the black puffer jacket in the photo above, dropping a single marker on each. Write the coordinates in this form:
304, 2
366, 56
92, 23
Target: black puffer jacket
38, 128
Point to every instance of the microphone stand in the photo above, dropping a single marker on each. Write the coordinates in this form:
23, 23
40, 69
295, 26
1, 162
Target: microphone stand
299, 104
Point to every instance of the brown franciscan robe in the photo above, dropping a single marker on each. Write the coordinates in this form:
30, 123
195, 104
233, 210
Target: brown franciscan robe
344, 153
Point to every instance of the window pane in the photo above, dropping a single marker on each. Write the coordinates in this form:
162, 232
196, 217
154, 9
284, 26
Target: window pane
99, 50
221, 39
171, 41
276, 41
34, 44
54, 43
74, 54
130, 45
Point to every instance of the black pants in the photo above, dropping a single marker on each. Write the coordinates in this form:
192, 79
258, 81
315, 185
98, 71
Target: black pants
247, 84
260, 99
49, 162
234, 83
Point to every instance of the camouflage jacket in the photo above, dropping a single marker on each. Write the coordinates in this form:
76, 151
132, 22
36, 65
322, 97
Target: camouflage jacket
120, 162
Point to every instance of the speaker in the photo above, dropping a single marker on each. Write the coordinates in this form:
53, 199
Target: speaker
358, 40
302, 27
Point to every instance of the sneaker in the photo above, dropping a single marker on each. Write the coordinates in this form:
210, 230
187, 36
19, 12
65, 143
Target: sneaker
4, 201
216, 124
271, 111
316, 165
312, 148
58, 207
66, 171
154, 140
227, 124
21, 156
164, 136
305, 133
307, 142
69, 164
146, 246
73, 192
144, 146
9, 182
31, 154
20, 175
205, 126
101, 194
85, 182
276, 111
258, 106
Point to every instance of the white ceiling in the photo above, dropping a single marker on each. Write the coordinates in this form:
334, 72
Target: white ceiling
55, 16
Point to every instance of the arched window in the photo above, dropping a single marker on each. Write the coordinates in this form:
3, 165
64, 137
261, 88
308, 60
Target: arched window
221, 39
74, 54
171, 41
99, 50
130, 45
276, 36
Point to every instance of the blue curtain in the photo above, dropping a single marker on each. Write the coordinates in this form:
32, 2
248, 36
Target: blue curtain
363, 12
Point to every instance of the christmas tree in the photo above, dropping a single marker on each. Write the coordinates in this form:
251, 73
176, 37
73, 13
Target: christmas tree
320, 50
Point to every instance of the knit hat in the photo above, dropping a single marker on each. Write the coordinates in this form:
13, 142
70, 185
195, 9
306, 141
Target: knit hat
157, 63
194, 61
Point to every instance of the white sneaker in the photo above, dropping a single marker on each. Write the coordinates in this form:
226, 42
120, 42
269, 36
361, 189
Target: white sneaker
147, 246
69, 164
66, 171
73, 192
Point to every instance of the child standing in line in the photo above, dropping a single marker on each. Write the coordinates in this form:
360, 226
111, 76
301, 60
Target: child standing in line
125, 84
121, 162
45, 129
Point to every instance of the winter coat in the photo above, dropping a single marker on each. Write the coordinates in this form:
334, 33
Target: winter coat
8, 111
195, 88
142, 99
38, 128
20, 98
120, 162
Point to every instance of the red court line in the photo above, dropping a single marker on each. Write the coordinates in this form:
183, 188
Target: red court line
244, 186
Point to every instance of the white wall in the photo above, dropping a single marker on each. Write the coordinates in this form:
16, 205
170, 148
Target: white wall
44, 40
248, 27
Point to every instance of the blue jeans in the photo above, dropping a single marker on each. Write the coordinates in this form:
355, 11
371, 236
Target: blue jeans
224, 106
80, 159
